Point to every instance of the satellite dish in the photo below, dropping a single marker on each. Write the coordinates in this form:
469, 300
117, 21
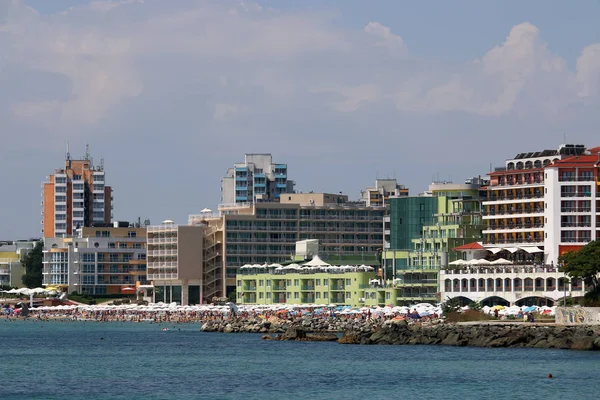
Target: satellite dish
168, 222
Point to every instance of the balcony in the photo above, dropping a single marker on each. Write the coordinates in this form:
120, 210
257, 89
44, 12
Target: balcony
307, 287
575, 209
575, 178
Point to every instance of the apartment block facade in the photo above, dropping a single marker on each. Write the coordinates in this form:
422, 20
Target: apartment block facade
74, 197
96, 261
267, 232
382, 192
11, 269
256, 179
175, 263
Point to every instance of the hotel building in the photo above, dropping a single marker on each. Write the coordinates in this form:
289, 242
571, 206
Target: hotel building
75, 196
514, 209
572, 199
267, 232
175, 263
96, 261
274, 284
424, 231
256, 179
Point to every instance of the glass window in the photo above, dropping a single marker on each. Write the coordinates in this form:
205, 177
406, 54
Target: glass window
325, 282
296, 282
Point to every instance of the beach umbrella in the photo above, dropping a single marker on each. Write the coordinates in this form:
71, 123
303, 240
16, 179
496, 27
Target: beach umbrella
458, 262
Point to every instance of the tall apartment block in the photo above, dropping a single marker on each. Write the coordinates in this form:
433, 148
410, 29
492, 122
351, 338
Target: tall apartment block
382, 192
515, 210
96, 261
175, 262
256, 179
75, 196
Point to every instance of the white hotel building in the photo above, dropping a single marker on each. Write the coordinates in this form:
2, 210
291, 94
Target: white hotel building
539, 206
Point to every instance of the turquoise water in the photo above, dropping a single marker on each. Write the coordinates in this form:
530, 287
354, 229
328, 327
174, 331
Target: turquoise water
78, 360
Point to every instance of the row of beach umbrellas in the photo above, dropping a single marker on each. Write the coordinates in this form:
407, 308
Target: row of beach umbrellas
481, 261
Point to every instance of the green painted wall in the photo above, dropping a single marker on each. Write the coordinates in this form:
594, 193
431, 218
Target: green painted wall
302, 288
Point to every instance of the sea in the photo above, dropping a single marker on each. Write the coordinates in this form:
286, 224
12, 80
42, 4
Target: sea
90, 360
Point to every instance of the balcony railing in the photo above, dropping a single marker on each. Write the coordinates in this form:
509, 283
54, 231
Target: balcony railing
538, 210
575, 178
576, 194
307, 287
514, 241
576, 209
514, 226
515, 197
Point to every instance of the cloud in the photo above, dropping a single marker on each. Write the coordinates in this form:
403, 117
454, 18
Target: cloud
137, 77
588, 71
394, 43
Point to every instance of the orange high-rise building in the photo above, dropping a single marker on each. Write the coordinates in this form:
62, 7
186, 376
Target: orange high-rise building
75, 197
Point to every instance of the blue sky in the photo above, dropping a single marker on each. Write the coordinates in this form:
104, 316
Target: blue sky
171, 93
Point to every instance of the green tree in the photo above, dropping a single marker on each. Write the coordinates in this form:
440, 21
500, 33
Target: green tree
583, 263
232, 296
32, 262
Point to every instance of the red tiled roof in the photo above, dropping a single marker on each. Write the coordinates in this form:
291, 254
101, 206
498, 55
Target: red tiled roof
469, 246
515, 171
576, 161
594, 150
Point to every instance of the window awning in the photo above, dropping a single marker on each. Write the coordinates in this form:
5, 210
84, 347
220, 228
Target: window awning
495, 250
531, 249
511, 249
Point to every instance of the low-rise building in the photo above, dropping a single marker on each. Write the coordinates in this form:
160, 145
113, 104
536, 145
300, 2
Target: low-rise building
11, 269
315, 283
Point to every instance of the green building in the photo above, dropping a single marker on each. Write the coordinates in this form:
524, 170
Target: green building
293, 284
450, 217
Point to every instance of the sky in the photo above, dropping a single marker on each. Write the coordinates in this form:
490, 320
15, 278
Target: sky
169, 94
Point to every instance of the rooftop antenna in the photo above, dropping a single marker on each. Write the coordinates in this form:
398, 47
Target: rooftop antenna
87, 152
68, 155
565, 138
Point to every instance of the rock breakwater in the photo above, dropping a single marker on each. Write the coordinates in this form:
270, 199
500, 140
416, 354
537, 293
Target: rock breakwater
481, 335
374, 331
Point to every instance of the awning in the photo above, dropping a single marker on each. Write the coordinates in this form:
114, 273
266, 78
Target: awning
531, 249
511, 249
495, 250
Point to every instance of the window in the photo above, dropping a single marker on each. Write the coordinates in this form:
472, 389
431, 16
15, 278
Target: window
137, 245
114, 257
87, 257
318, 295
61, 217
60, 189
268, 282
239, 283
122, 245
288, 282
61, 199
387, 295
325, 295
296, 296
348, 295
318, 282
126, 257
296, 282
111, 246
325, 282
261, 295
78, 186
348, 282
132, 234
268, 295
260, 282
100, 256
60, 207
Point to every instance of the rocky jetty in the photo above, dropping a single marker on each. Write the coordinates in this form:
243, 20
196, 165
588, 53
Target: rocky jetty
481, 335
358, 331
280, 326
